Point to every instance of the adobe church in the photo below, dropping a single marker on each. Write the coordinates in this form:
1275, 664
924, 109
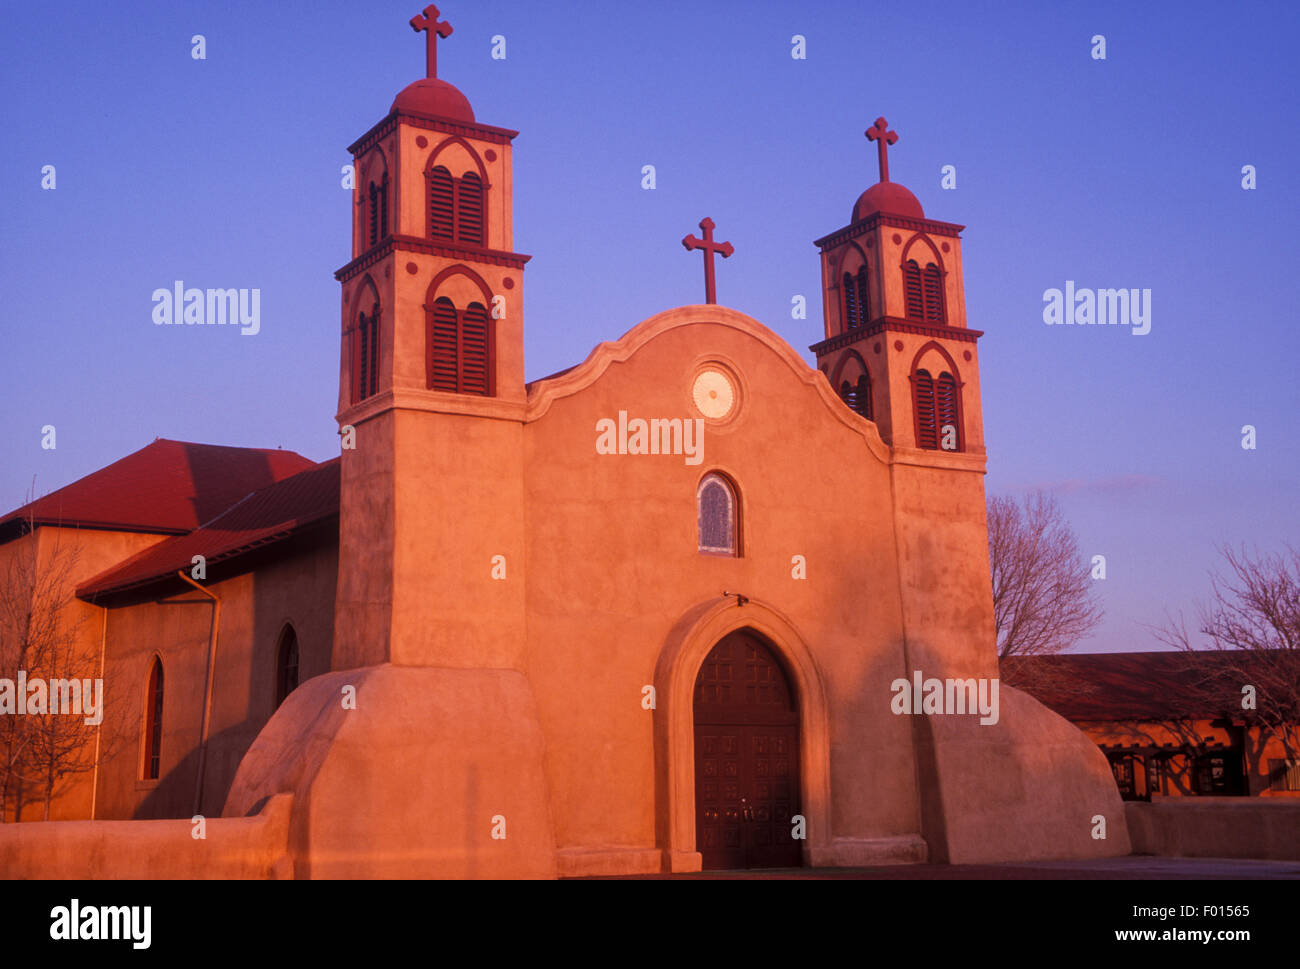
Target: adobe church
643, 615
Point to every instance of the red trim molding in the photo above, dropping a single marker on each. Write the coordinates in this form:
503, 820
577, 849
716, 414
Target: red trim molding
892, 324
483, 132
870, 223
396, 243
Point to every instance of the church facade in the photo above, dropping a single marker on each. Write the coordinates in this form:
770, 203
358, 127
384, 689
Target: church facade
648, 614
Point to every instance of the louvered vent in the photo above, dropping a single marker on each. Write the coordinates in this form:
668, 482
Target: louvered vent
441, 207
475, 374
946, 405
469, 210
933, 294
864, 306
442, 342
912, 290
851, 318
927, 432
863, 397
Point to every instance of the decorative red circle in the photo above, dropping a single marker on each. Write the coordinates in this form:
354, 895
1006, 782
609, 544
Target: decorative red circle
871, 242
876, 348
490, 155
897, 239
421, 141
945, 247
412, 268
508, 283
966, 355
898, 345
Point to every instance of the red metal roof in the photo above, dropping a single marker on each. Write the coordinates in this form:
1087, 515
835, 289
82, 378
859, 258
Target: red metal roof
168, 487
272, 514
1128, 686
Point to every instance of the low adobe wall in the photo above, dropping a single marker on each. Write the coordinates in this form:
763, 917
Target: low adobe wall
1216, 827
252, 847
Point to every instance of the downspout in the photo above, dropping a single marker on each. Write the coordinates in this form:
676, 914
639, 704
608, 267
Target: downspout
207, 687
99, 727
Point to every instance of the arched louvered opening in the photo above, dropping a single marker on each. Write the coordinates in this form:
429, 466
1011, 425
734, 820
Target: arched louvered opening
377, 211
849, 394
719, 517
913, 290
286, 665
934, 309
864, 305
443, 342
365, 381
948, 412
862, 397
923, 399
153, 712
851, 317
475, 339
460, 355
441, 204
469, 210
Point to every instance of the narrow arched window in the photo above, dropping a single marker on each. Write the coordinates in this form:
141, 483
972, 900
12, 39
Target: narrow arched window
366, 355
374, 213
459, 348
927, 430
153, 712
947, 412
441, 204
718, 516
469, 210
851, 318
913, 290
934, 311
862, 397
286, 665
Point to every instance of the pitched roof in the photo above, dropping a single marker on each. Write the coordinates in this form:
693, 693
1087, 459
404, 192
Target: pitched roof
1128, 686
167, 487
270, 515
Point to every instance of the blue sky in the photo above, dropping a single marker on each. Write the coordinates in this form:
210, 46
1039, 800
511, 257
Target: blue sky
1117, 173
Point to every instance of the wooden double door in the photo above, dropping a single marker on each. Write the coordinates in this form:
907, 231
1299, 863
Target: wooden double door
746, 758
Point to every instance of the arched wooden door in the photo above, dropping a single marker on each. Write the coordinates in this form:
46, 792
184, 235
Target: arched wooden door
746, 757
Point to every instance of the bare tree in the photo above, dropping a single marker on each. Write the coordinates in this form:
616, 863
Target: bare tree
1249, 637
40, 634
1043, 597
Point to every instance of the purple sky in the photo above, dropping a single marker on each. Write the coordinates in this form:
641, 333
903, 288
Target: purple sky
1117, 173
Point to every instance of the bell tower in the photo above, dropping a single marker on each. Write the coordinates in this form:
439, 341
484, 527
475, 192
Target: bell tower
897, 349
431, 387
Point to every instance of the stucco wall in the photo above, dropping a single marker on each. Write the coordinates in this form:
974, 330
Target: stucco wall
1216, 827
255, 607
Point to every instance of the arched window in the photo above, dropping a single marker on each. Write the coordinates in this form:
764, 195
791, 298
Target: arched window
934, 311
379, 209
456, 207
849, 394
718, 516
153, 711
912, 290
459, 344
286, 665
365, 358
937, 408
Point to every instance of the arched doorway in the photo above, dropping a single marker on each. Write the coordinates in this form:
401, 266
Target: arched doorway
746, 757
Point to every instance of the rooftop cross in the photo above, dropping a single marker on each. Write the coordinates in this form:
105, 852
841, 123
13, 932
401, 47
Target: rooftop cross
709, 247
880, 134
428, 21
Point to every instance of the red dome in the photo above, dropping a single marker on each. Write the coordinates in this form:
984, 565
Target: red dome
432, 96
887, 197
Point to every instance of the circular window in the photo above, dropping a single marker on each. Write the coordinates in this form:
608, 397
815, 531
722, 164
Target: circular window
714, 394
